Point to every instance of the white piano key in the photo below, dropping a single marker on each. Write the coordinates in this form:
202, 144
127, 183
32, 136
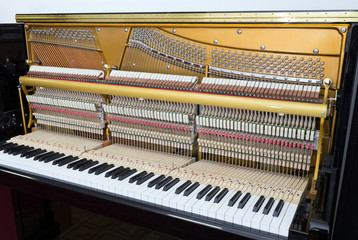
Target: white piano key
266, 220
213, 211
251, 217
276, 221
240, 213
287, 220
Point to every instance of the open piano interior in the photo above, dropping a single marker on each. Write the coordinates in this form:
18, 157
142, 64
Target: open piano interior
222, 122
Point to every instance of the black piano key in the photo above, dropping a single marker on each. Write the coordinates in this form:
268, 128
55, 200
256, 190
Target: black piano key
170, 184
163, 182
100, 168
6, 145
39, 157
57, 161
87, 165
23, 150
125, 171
212, 194
54, 157
203, 192
45, 153
67, 161
155, 181
42, 158
104, 169
191, 189
137, 176
258, 204
181, 188
24, 154
12, 149
268, 206
119, 172
145, 178
20, 148
75, 165
94, 169
127, 174
234, 199
221, 195
33, 153
113, 171
71, 165
278, 208
244, 200
16, 151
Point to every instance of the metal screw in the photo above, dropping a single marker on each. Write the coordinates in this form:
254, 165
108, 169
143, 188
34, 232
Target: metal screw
327, 81
133, 64
262, 47
323, 113
315, 51
168, 67
343, 30
174, 30
98, 29
25, 26
215, 41
126, 30
239, 31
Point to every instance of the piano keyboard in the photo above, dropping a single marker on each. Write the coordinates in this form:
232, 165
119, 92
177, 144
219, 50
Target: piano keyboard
238, 207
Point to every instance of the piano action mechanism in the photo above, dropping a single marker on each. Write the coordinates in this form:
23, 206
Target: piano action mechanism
216, 117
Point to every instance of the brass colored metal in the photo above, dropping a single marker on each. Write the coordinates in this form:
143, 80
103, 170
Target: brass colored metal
288, 39
327, 82
333, 128
319, 150
231, 17
31, 120
277, 106
22, 110
112, 40
295, 41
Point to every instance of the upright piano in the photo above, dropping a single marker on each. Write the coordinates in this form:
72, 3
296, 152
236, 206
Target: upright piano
202, 125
